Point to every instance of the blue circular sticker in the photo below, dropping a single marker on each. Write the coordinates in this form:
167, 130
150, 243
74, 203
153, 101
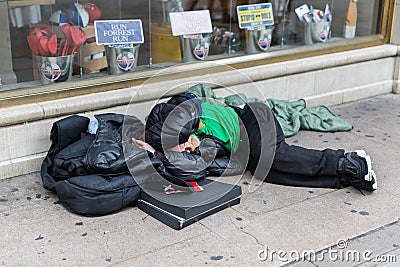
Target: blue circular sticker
125, 60
201, 51
50, 71
265, 42
323, 34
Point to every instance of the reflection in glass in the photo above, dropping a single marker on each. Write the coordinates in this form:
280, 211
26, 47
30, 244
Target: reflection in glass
160, 47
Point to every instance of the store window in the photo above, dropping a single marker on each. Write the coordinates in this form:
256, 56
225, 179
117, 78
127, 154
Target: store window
54, 41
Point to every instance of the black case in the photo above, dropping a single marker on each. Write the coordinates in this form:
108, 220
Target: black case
182, 209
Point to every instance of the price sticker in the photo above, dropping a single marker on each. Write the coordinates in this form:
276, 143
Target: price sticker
253, 16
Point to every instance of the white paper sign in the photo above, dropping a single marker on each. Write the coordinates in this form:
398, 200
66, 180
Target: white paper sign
190, 22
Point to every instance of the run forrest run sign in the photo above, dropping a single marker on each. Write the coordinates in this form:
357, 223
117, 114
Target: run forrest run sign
119, 32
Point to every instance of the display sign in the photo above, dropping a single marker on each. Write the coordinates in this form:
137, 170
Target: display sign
119, 32
190, 22
253, 16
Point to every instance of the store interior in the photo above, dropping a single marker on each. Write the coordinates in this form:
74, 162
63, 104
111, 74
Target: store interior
160, 48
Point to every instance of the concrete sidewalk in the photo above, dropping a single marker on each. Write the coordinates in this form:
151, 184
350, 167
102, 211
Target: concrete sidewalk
272, 226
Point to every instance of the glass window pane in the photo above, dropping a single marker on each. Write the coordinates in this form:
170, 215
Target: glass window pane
32, 28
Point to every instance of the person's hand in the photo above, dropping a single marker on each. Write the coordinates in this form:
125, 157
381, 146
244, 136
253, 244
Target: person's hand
194, 141
143, 145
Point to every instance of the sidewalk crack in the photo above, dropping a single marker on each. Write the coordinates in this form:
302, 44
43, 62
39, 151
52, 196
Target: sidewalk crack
247, 233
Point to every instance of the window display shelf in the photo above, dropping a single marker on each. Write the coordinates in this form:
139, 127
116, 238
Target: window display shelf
161, 48
30, 2
90, 56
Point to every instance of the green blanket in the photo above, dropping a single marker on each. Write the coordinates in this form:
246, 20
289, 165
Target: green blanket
292, 115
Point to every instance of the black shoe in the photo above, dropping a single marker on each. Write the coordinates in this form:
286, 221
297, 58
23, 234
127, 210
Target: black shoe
368, 185
357, 167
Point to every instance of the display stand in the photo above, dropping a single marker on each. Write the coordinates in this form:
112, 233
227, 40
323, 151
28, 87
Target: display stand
190, 27
86, 54
122, 39
258, 21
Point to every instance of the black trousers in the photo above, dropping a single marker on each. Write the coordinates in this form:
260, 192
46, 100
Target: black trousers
291, 165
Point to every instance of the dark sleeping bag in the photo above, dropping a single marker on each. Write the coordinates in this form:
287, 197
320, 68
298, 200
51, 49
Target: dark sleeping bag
88, 189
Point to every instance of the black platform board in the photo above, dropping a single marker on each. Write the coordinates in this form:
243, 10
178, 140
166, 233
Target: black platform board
182, 209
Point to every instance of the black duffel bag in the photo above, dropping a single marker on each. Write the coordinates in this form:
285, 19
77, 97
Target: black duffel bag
84, 192
95, 195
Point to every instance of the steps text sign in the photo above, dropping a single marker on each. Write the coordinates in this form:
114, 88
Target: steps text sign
251, 16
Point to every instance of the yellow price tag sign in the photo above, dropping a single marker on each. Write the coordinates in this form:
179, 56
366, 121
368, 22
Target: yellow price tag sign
252, 16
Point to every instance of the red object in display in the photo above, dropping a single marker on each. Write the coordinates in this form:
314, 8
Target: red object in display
52, 44
66, 29
43, 48
93, 11
78, 38
60, 51
75, 37
46, 31
33, 39
44, 42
